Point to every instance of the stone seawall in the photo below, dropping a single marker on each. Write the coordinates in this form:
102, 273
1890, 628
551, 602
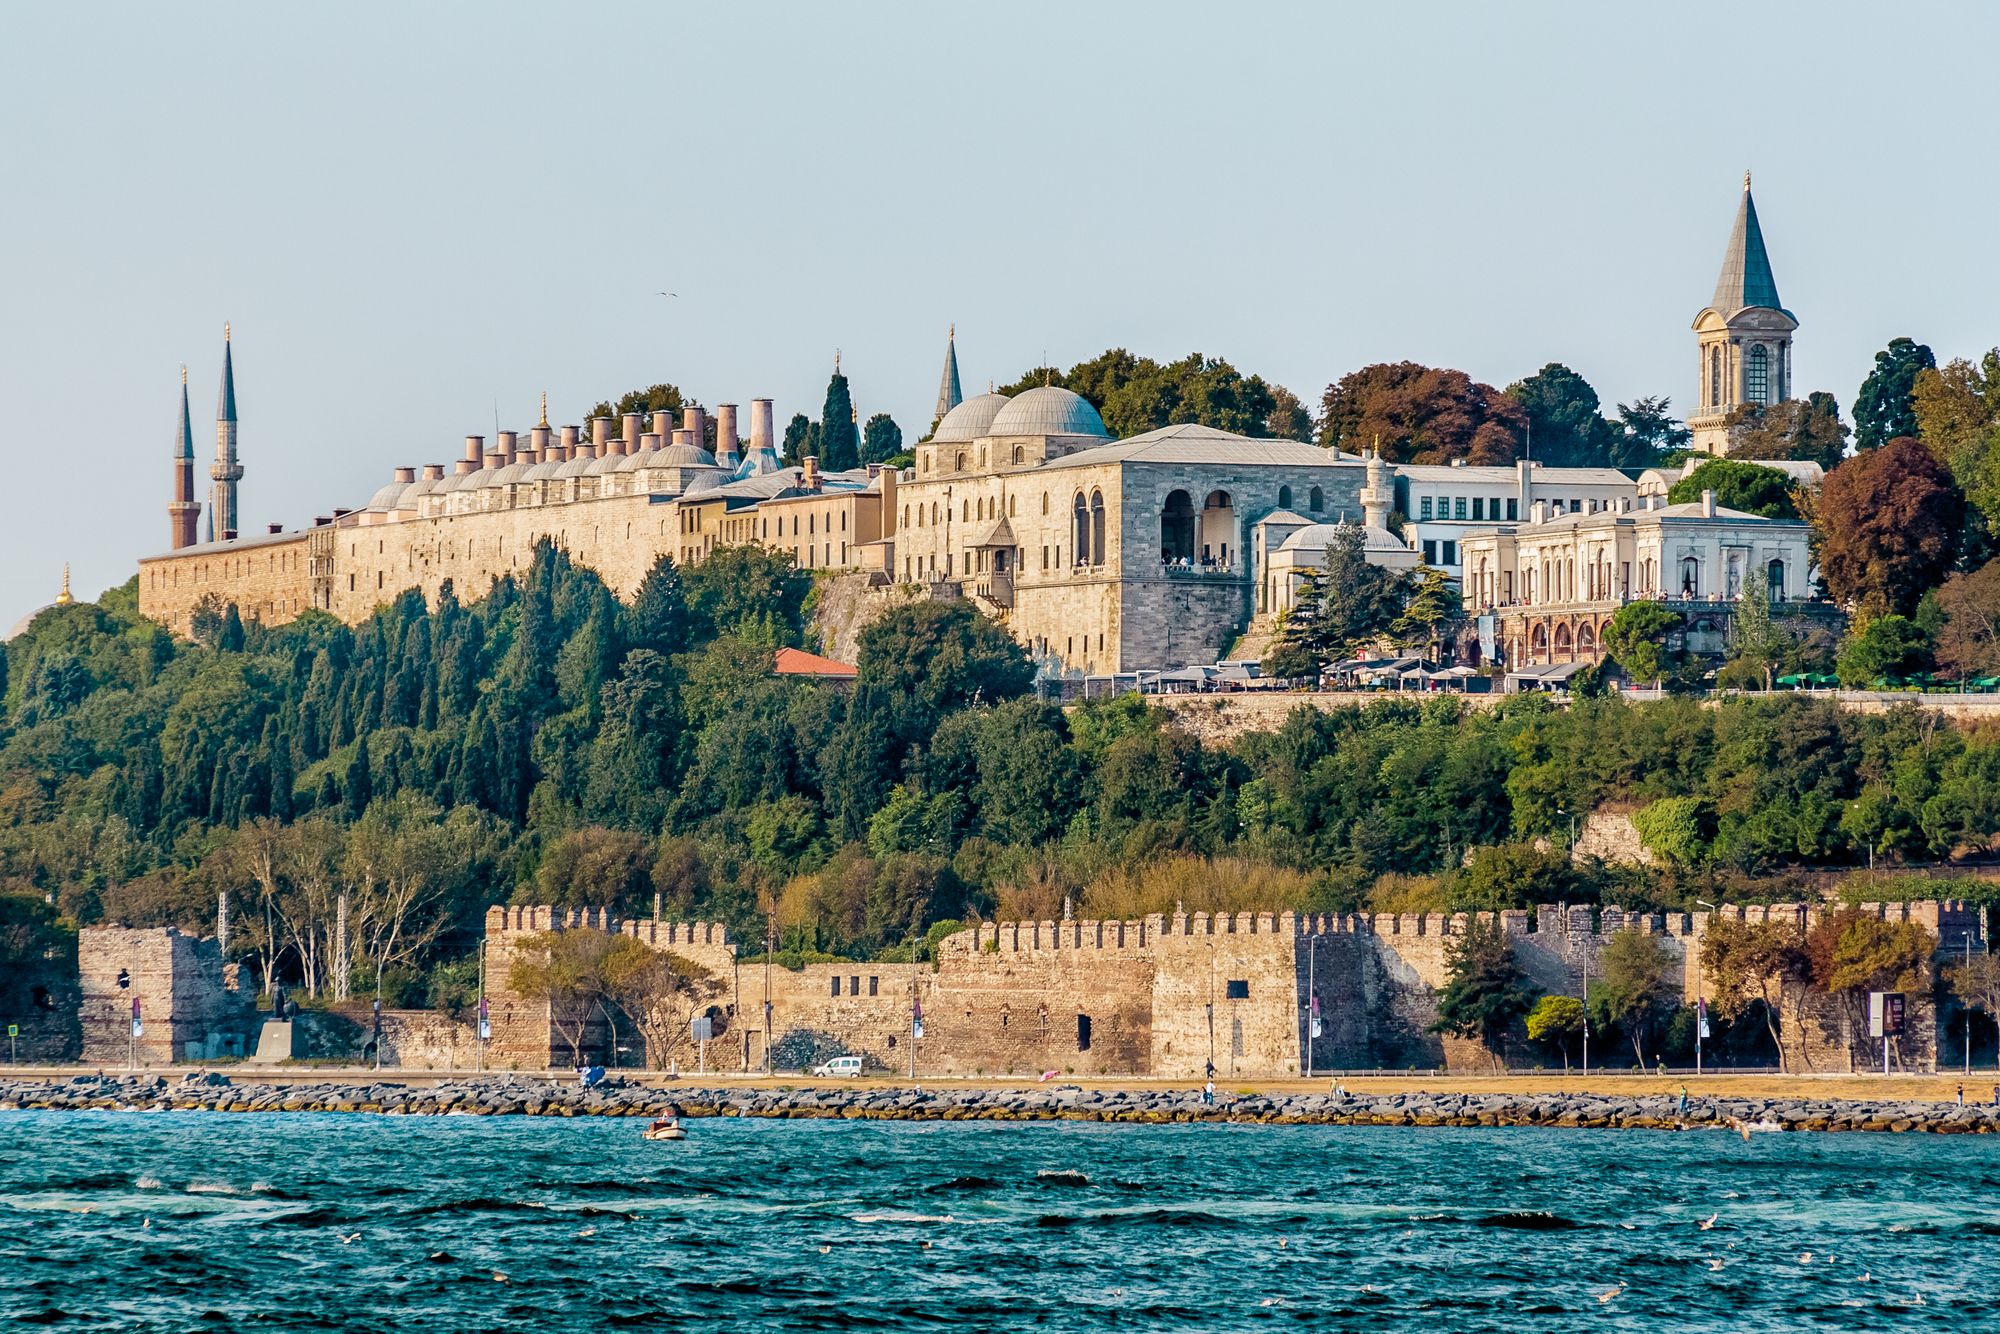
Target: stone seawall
518, 1096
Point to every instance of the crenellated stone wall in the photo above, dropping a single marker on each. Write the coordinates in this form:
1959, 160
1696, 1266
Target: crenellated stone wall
190, 1008
1167, 994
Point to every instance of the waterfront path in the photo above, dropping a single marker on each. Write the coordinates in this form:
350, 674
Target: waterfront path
532, 1095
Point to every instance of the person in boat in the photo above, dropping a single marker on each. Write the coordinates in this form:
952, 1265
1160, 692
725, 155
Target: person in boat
665, 1123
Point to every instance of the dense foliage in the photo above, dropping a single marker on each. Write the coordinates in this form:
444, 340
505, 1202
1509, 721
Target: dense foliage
550, 744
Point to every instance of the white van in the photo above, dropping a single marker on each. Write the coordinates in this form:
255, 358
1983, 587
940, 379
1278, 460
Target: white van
840, 1067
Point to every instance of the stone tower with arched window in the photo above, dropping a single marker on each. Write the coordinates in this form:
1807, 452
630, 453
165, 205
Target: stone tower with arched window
1744, 336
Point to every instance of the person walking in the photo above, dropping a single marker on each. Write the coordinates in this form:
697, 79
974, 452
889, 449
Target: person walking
1682, 1108
1208, 1094
1961, 1095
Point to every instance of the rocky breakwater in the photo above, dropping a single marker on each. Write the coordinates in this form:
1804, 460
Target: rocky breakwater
514, 1095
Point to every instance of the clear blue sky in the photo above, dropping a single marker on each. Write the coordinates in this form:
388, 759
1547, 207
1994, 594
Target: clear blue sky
411, 212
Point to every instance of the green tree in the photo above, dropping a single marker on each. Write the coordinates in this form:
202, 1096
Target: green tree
801, 440
647, 401
564, 970
1644, 432
1433, 613
1136, 394
1761, 645
1421, 414
1485, 992
1885, 409
1565, 428
1888, 523
1675, 829
1888, 648
1347, 603
881, 439
1738, 486
1746, 963
1557, 1021
1807, 429
596, 868
1957, 409
1975, 984
839, 441
1637, 638
750, 591
1635, 987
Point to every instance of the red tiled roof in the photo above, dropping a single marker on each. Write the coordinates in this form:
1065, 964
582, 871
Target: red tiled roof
798, 662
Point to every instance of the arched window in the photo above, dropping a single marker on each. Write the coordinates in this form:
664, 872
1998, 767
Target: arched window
1715, 377
959, 463
1013, 507
1586, 638
1757, 376
1020, 455
1316, 500
1774, 578
1097, 528
1562, 639
1284, 497
1045, 503
1177, 529
1080, 516
1690, 577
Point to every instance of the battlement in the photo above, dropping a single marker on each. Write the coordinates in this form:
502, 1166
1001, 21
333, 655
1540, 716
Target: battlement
503, 921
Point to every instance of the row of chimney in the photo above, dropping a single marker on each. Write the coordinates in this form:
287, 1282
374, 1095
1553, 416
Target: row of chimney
545, 444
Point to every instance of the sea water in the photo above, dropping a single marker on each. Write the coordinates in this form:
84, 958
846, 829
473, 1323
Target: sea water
216, 1221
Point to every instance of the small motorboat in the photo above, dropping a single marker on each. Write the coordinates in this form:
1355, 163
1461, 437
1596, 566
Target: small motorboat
668, 1129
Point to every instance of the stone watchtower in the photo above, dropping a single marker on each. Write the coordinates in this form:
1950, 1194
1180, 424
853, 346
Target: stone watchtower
225, 472
1744, 336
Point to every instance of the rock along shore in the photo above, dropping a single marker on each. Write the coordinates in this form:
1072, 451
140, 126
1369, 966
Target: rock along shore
512, 1095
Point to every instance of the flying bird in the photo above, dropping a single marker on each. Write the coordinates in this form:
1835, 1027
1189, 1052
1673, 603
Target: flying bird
1709, 1222
1716, 1264
350, 1239
1609, 1293
674, 294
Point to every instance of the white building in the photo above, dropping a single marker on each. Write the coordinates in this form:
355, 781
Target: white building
1440, 504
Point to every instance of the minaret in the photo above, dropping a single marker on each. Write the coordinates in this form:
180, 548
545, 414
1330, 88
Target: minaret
225, 472
1378, 496
949, 396
183, 509
63, 599
1743, 336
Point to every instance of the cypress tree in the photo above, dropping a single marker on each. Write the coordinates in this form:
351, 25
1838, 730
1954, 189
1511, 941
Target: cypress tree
355, 792
839, 444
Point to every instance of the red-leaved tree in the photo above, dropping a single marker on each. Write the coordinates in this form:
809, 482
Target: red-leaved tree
1421, 414
1888, 524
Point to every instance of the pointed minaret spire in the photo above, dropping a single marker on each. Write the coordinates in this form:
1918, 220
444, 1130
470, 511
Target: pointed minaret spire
1746, 280
225, 472
949, 395
63, 599
183, 508
545, 410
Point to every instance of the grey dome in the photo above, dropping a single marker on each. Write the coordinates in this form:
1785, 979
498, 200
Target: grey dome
542, 471
707, 481
604, 464
970, 419
576, 467
513, 472
423, 486
386, 498
466, 481
682, 456
634, 462
1048, 411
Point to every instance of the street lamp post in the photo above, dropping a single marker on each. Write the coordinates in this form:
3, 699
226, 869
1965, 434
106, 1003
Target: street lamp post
1586, 1012
1966, 936
1700, 1008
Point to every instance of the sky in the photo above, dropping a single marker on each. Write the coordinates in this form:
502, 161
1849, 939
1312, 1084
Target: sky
420, 217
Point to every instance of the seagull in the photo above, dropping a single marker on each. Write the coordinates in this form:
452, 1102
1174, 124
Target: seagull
499, 1277
1709, 1223
1716, 1264
1864, 1277
148, 1223
350, 1239
1805, 1257
587, 1232
1609, 1293
674, 294
1281, 1243
826, 1250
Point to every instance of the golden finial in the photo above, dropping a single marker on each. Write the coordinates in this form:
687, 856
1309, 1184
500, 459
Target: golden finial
184, 372
545, 407
225, 331
63, 599
1746, 180
836, 361
951, 330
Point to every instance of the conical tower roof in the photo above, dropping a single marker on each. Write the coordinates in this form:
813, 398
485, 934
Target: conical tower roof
1746, 279
949, 396
225, 401
184, 433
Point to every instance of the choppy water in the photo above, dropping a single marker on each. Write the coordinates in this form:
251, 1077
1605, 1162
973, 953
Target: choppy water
202, 1221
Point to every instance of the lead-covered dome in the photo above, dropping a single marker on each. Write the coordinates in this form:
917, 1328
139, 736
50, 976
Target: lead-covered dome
1047, 411
969, 420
